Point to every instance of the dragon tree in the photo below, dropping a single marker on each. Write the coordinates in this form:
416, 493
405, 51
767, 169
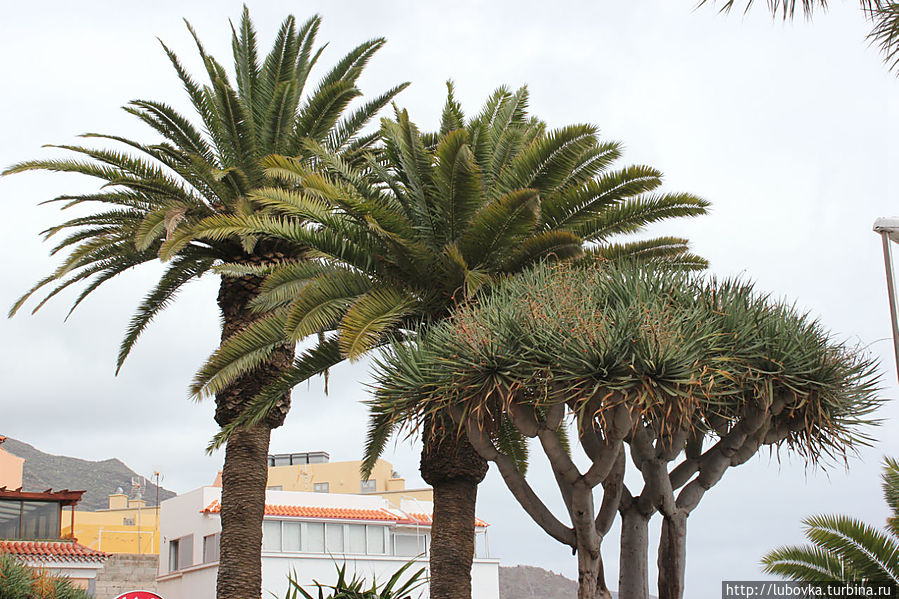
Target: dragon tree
688, 375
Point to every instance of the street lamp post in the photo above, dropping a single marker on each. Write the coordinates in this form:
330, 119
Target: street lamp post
889, 232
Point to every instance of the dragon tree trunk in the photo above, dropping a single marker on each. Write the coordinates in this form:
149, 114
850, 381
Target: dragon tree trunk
673, 556
633, 576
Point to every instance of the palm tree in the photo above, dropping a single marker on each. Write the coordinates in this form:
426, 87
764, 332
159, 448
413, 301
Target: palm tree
883, 14
160, 190
406, 238
844, 548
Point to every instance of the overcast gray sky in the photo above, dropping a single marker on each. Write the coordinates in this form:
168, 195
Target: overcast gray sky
788, 129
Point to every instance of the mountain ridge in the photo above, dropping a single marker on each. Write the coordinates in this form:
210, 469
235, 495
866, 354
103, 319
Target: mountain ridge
97, 478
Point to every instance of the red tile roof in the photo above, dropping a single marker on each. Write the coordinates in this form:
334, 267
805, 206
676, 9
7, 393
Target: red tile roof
341, 513
425, 520
303, 511
53, 551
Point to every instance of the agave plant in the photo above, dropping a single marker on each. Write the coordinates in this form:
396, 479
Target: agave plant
357, 588
844, 548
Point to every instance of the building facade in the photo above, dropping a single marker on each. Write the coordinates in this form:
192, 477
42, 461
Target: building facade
31, 531
313, 471
307, 535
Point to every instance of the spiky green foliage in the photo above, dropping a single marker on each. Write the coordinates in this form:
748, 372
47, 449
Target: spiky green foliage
681, 351
153, 194
18, 581
844, 548
356, 587
438, 218
883, 14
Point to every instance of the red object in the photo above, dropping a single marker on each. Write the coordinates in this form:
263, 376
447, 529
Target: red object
301, 511
52, 551
339, 513
138, 595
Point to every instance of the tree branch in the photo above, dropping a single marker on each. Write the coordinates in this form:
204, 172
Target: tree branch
519, 487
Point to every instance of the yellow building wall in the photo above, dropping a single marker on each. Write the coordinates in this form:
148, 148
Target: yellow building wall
105, 530
342, 477
11, 467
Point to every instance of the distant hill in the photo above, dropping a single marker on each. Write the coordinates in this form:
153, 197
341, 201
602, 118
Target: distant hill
531, 582
45, 471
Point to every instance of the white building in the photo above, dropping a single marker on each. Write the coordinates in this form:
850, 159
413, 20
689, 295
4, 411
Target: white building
306, 533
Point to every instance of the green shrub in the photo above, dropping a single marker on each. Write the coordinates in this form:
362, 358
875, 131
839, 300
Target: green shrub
18, 581
355, 587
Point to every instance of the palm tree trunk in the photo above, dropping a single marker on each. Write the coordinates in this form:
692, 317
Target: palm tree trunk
633, 575
245, 471
673, 556
244, 479
453, 468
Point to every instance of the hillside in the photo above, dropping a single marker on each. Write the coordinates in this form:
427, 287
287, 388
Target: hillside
45, 471
531, 582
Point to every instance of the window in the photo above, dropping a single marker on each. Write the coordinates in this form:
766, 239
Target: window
355, 538
314, 537
29, 519
185, 552
334, 538
181, 553
375, 539
271, 535
320, 487
211, 548
290, 536
174, 554
368, 486
10, 519
409, 545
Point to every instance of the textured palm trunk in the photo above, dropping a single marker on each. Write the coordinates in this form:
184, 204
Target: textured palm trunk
633, 575
245, 471
453, 468
244, 479
672, 556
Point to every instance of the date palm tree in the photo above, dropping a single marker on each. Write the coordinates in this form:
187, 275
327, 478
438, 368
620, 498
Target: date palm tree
152, 192
440, 217
844, 548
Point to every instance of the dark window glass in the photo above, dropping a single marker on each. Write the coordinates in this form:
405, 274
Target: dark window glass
10, 514
40, 520
211, 548
173, 555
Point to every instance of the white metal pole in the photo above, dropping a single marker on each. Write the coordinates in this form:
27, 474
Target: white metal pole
891, 292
